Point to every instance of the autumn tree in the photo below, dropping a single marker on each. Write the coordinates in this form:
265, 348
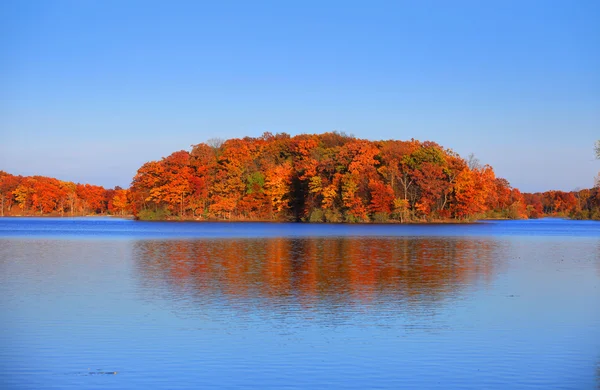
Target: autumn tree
8, 184
119, 203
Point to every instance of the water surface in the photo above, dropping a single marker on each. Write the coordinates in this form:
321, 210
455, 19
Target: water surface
243, 305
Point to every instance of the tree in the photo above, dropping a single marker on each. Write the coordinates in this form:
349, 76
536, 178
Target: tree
277, 187
176, 181
597, 179
215, 143
8, 184
473, 162
471, 191
119, 204
431, 180
22, 195
382, 197
93, 198
401, 209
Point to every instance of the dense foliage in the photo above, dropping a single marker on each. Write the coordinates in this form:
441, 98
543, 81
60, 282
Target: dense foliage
39, 195
581, 204
329, 177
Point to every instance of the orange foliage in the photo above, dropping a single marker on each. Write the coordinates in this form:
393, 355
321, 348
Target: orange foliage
321, 177
39, 195
581, 204
330, 177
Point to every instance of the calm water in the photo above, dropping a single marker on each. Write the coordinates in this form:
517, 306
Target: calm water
512, 304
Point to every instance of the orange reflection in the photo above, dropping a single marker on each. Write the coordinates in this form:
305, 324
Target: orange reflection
312, 269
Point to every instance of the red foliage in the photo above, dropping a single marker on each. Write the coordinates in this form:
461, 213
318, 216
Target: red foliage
48, 196
331, 177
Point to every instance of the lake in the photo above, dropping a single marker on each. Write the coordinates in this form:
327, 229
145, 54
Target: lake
102, 303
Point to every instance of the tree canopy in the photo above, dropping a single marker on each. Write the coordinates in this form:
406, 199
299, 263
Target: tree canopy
40, 195
330, 177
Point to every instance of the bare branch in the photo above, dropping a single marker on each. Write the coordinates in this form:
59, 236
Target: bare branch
215, 143
473, 162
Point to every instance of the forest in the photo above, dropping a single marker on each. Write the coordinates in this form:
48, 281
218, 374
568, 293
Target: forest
40, 195
333, 177
330, 177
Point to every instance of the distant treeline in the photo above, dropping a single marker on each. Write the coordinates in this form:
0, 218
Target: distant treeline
328, 177
39, 195
581, 204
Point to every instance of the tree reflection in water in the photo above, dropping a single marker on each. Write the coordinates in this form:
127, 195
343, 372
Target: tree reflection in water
307, 273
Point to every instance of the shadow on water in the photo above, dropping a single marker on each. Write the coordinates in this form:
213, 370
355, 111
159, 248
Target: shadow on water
326, 274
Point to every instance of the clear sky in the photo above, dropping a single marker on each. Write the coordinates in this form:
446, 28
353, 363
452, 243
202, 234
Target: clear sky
90, 90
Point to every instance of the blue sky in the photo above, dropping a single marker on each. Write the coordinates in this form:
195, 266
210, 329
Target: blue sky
90, 90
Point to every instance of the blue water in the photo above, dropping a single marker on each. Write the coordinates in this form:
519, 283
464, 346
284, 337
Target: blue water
117, 304
114, 228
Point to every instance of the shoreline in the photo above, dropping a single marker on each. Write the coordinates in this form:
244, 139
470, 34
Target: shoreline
448, 222
69, 216
222, 221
